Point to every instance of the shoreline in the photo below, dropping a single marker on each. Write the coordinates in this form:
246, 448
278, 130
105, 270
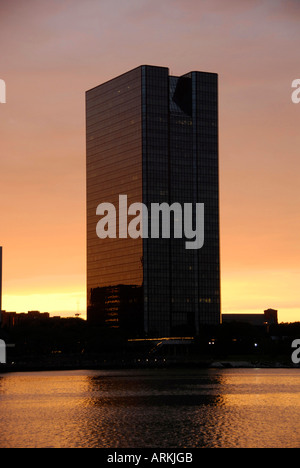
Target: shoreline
94, 366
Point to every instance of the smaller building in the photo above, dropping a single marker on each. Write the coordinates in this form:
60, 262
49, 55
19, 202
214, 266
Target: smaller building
120, 307
0, 284
269, 317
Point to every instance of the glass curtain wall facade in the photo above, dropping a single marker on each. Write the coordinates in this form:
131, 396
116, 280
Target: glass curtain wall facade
154, 138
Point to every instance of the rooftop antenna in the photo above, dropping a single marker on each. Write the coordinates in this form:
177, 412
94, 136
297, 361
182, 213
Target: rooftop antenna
78, 313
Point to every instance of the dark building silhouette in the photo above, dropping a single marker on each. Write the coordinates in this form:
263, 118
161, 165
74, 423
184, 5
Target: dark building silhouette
0, 285
118, 306
154, 138
14, 319
269, 317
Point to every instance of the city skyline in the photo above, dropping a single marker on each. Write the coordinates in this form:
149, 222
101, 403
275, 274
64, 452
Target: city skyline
52, 53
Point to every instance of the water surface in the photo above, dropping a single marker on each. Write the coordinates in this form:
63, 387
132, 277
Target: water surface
151, 408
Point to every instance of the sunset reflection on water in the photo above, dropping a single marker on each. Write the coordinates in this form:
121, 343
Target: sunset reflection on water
151, 408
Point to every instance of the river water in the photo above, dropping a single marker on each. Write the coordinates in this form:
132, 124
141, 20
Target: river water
151, 408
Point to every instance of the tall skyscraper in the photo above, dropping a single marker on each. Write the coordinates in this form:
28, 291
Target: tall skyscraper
154, 138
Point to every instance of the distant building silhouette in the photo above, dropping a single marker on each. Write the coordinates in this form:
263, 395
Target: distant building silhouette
269, 317
154, 138
0, 285
13, 319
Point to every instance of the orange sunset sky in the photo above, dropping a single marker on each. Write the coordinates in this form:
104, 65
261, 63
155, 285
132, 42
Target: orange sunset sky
52, 51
